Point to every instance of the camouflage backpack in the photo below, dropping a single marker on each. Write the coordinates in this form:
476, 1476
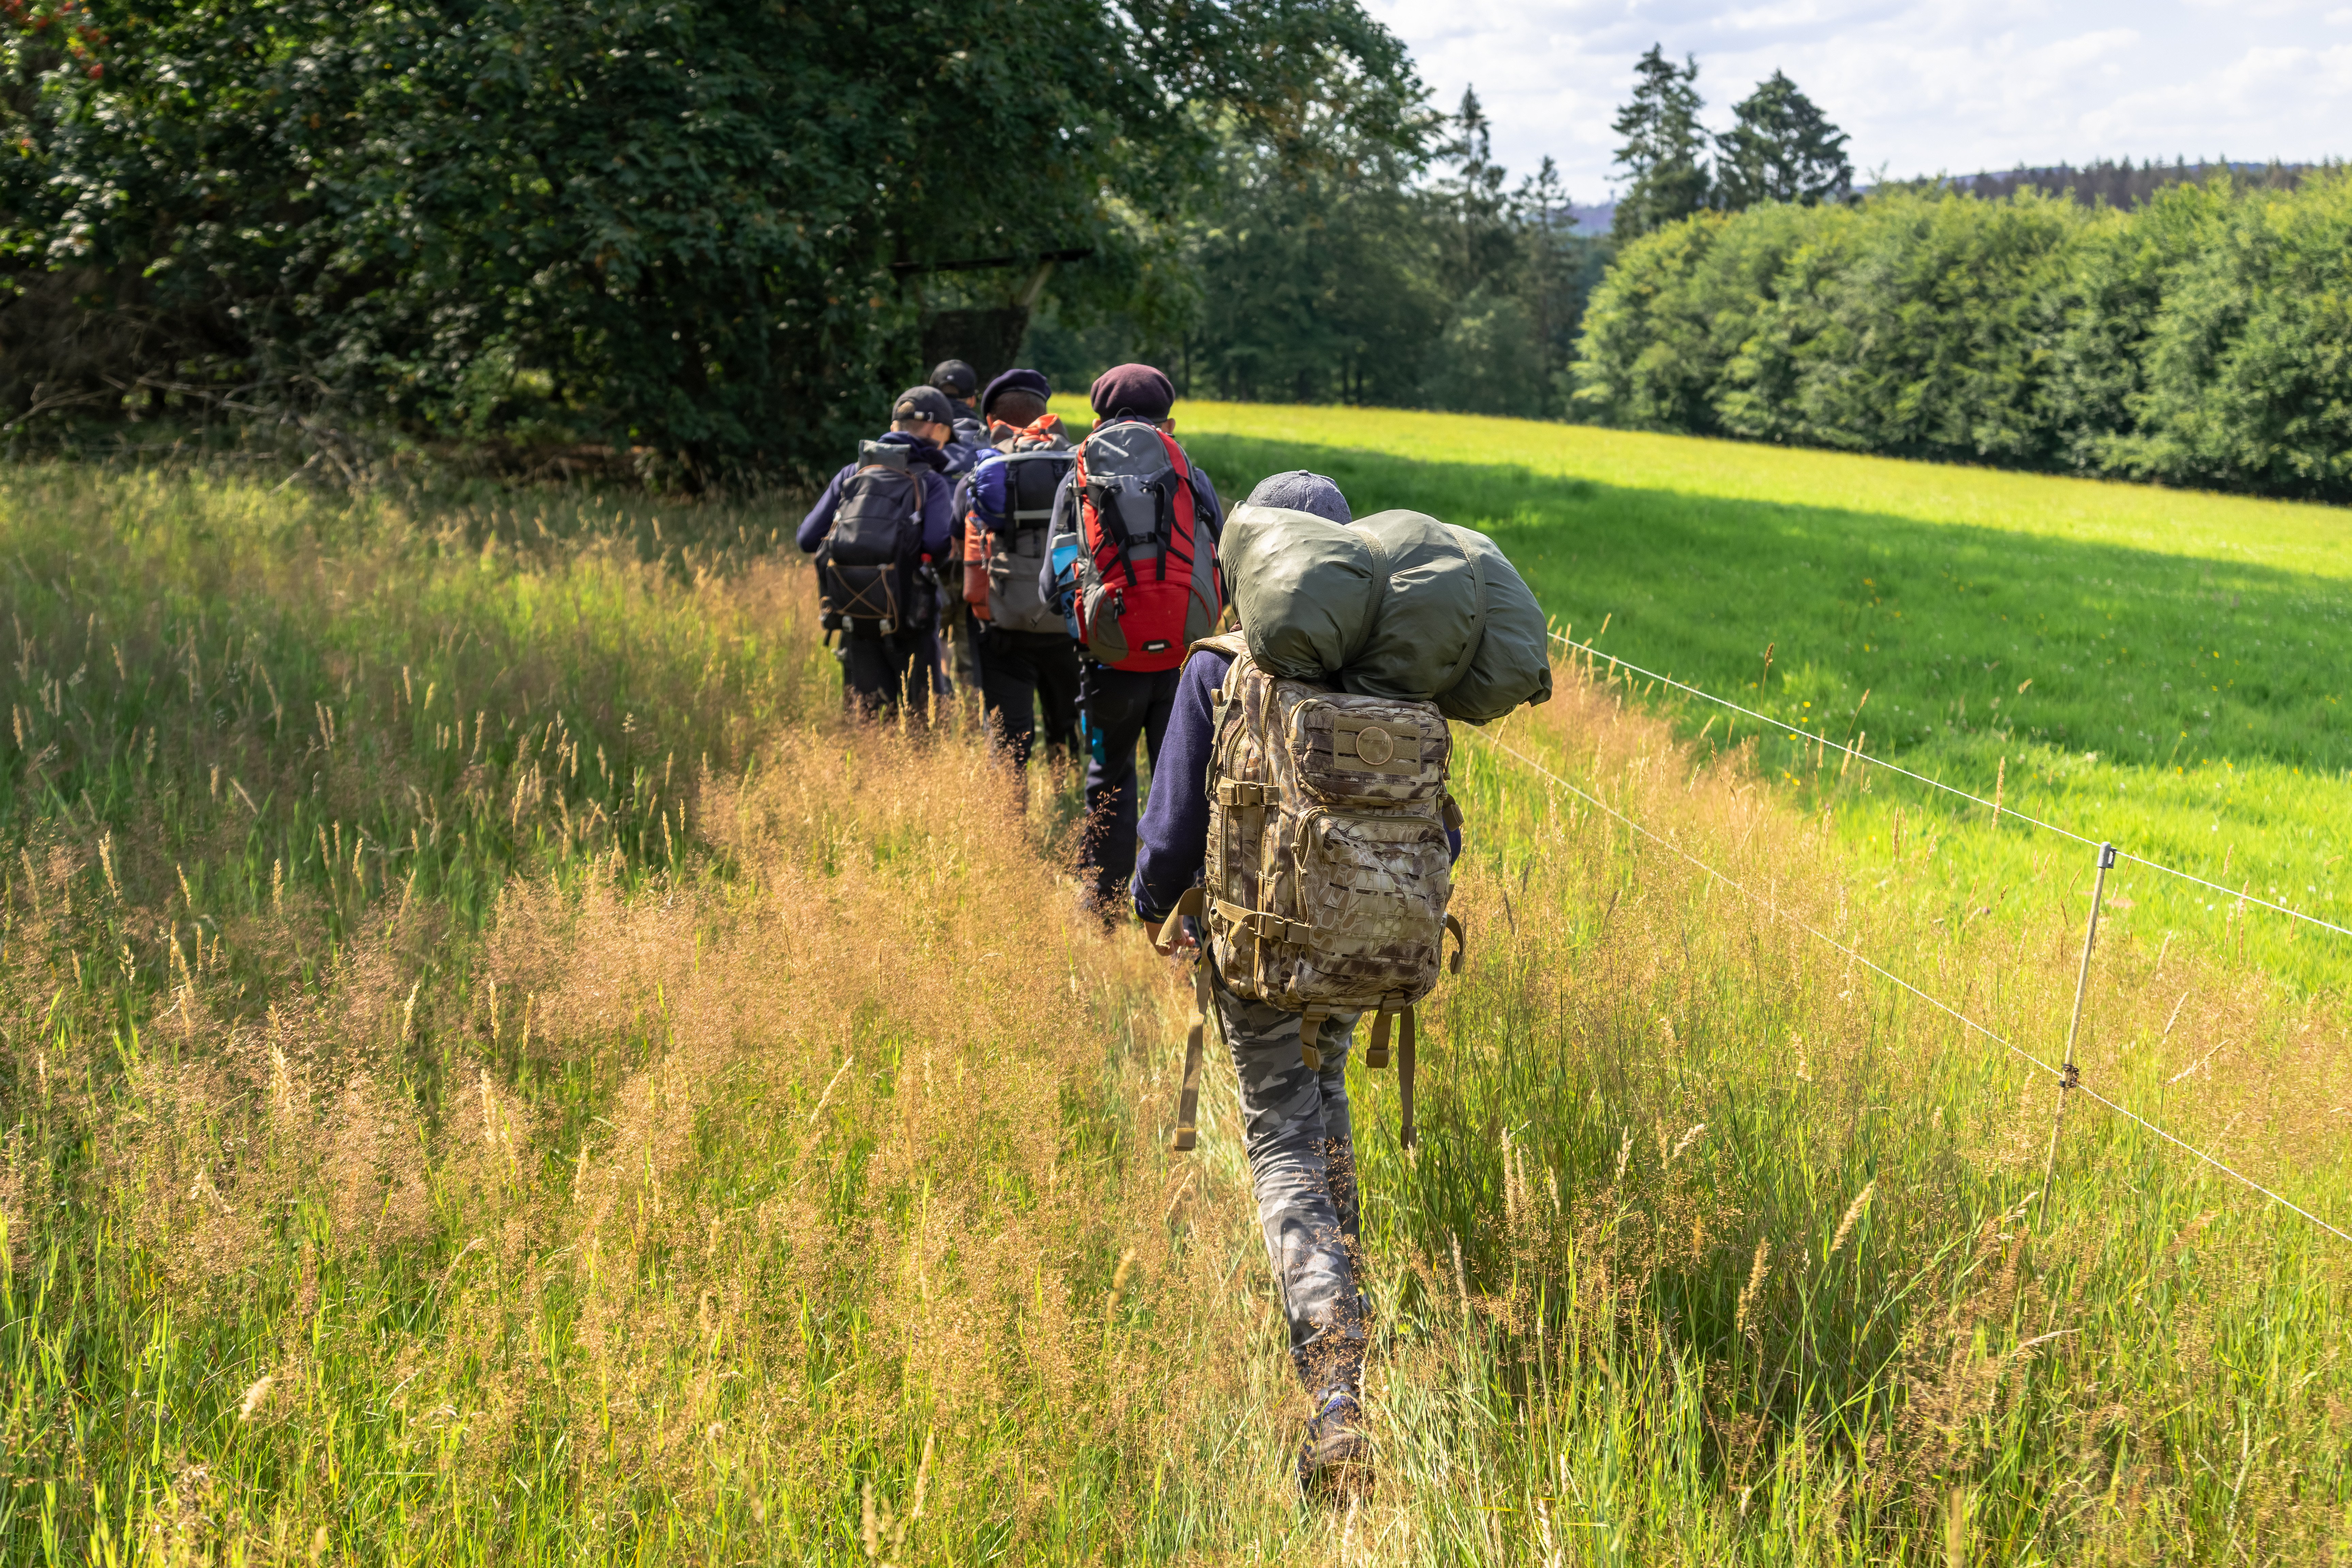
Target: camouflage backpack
1328, 869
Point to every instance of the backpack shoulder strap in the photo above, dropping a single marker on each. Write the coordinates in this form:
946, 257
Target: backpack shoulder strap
1232, 645
1178, 458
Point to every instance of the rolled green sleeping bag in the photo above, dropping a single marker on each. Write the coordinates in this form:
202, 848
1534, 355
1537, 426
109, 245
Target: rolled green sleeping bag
1394, 605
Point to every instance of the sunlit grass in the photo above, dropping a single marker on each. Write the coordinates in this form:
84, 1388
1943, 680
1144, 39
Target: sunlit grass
493, 1069
2165, 669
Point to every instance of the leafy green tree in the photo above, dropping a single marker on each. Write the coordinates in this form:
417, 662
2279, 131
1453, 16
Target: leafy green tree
665, 224
1917, 323
1556, 273
1665, 150
1489, 359
2104, 314
2247, 367
1781, 148
1315, 256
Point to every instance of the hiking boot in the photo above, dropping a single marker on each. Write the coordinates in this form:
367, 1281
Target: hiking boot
1337, 1456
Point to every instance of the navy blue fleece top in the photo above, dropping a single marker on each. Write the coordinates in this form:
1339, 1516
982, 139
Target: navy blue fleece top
1172, 840
937, 514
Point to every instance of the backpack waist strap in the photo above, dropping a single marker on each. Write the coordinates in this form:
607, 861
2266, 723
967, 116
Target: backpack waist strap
1263, 924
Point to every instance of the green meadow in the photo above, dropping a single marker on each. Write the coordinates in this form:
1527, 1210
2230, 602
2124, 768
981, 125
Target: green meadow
2168, 670
495, 1068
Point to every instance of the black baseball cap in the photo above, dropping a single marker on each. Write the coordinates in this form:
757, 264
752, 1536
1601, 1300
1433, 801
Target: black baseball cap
1022, 380
955, 378
923, 403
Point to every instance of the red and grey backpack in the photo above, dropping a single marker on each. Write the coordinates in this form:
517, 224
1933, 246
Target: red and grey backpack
1149, 586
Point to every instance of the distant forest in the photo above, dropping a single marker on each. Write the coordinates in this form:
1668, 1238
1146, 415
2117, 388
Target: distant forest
2125, 184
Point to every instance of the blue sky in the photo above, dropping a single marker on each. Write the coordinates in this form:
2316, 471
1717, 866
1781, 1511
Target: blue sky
1919, 86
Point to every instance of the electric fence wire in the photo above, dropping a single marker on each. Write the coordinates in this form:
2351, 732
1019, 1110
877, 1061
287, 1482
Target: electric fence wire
2240, 895
2074, 1084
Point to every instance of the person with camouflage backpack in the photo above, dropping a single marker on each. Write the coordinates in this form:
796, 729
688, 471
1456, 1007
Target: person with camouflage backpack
1293, 1091
1300, 840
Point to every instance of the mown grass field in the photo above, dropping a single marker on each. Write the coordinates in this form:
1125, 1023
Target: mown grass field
492, 1069
2166, 669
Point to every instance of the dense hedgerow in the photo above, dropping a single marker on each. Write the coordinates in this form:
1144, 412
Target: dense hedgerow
2202, 339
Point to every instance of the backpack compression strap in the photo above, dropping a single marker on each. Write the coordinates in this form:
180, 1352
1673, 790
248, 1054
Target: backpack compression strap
1376, 1054
1188, 1103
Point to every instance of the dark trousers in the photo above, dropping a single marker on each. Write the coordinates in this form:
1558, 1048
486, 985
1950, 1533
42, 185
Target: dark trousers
1117, 708
1023, 671
961, 633
881, 674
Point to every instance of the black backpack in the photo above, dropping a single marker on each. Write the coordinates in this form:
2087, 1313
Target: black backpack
878, 524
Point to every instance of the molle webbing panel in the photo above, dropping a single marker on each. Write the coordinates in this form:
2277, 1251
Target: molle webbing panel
1328, 873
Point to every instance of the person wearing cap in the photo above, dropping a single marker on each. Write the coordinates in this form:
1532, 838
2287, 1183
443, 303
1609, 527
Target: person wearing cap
1295, 1118
959, 382
1022, 672
880, 672
1116, 708
967, 443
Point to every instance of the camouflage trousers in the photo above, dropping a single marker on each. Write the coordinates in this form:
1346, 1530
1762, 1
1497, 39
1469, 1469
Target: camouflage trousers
1302, 1161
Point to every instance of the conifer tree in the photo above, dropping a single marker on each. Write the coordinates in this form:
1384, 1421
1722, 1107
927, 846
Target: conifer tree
1781, 148
1664, 148
1473, 201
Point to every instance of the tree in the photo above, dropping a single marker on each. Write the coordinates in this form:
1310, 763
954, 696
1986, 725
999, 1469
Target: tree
1481, 246
1664, 148
1781, 148
674, 225
1313, 254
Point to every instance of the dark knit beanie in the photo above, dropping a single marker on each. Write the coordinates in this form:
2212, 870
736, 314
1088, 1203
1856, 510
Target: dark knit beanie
1132, 392
955, 378
1015, 381
1299, 491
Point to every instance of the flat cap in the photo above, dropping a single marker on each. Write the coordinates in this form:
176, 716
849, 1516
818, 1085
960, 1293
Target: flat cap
1132, 392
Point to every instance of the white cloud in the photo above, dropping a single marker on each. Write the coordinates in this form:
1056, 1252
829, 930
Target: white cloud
1919, 86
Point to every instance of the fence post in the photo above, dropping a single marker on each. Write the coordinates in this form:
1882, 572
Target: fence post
2067, 1077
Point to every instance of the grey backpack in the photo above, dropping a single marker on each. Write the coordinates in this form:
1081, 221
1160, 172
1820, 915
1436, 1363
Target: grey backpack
1016, 554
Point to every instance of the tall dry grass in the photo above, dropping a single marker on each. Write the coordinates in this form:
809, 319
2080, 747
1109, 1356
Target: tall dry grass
644, 1119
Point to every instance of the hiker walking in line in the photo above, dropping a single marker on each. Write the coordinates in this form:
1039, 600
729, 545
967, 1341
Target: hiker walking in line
875, 532
967, 443
1132, 564
1027, 661
958, 381
1299, 842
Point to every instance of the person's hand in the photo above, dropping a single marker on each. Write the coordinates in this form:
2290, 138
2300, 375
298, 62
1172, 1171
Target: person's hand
1180, 941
